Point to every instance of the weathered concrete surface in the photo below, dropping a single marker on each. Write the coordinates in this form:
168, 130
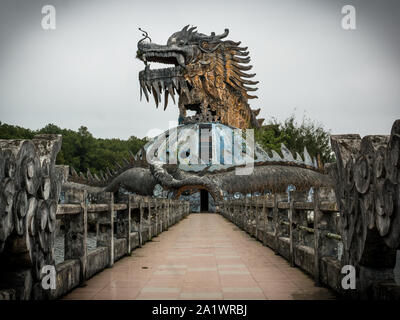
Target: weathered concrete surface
202, 257
97, 260
68, 277
120, 248
21, 280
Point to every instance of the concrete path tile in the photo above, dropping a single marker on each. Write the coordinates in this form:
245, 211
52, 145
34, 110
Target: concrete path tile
202, 257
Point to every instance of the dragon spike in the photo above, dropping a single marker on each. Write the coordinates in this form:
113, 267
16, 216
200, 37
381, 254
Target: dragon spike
239, 48
192, 29
108, 172
81, 175
101, 173
185, 28
249, 82
256, 112
241, 60
315, 163
131, 155
125, 161
275, 156
307, 158
251, 97
287, 155
242, 67
240, 53
89, 174
260, 121
245, 75
73, 172
298, 157
95, 176
249, 89
118, 165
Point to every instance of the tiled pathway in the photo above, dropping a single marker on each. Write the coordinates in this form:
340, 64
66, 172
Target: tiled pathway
202, 257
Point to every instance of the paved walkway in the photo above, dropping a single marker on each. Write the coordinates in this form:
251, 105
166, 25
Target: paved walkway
202, 257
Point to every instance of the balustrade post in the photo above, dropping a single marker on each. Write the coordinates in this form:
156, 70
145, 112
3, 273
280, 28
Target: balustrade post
291, 227
277, 226
243, 214
105, 230
124, 223
322, 224
129, 223
168, 213
265, 215
75, 246
149, 222
257, 218
296, 218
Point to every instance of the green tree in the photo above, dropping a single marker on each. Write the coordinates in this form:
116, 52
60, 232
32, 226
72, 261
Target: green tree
80, 149
296, 136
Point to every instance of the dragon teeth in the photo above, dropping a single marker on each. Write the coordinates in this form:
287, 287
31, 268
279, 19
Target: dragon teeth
171, 91
165, 99
144, 88
176, 83
167, 86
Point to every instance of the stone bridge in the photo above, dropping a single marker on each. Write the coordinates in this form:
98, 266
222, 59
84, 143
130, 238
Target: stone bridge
124, 246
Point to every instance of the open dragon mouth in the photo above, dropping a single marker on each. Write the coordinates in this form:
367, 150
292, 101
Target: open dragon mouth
164, 57
162, 81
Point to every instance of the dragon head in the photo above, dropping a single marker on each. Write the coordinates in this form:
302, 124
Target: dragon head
208, 74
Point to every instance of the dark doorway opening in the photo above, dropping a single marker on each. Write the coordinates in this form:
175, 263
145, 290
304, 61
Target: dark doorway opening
203, 200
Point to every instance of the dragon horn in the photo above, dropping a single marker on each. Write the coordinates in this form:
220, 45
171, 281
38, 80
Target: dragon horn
223, 35
192, 29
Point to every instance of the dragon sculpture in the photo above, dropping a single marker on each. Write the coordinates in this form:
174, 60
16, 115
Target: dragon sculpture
209, 77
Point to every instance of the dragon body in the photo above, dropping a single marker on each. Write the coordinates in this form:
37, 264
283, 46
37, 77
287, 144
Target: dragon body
209, 76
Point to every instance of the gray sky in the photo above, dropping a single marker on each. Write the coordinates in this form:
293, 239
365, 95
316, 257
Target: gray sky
85, 71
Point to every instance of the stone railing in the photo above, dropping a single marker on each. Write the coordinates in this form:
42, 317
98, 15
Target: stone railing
33, 221
305, 233
308, 235
121, 226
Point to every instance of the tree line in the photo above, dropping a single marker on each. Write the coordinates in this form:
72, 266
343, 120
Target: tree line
82, 151
295, 136
79, 148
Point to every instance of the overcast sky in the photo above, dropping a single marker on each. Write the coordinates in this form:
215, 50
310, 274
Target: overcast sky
85, 73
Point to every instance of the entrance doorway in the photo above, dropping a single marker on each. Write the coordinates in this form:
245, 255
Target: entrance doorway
204, 200
200, 199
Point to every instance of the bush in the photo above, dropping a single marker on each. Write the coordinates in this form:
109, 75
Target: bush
295, 137
80, 149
